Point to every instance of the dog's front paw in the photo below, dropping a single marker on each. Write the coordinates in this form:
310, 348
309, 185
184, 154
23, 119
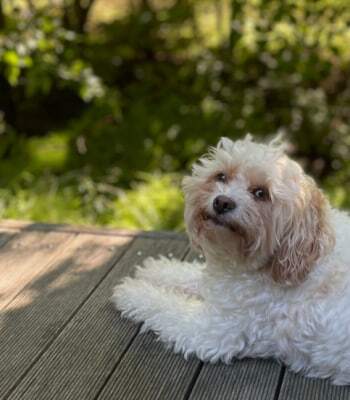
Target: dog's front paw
181, 319
171, 314
140, 300
135, 298
171, 273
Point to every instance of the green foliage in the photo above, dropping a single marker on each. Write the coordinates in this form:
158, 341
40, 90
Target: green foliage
42, 202
40, 53
157, 203
84, 111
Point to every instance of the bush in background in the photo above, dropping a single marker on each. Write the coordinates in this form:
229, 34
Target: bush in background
87, 105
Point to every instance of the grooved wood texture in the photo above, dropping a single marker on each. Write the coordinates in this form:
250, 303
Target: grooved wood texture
95, 339
23, 256
160, 373
6, 235
61, 337
297, 387
246, 379
40, 311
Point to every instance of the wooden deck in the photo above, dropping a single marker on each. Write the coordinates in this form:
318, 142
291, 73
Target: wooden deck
61, 338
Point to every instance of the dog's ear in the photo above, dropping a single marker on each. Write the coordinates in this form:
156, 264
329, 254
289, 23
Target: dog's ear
225, 144
307, 237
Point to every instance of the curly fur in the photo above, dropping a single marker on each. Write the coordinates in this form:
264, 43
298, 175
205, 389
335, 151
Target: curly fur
276, 281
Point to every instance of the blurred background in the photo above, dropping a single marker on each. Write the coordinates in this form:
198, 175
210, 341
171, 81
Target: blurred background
104, 104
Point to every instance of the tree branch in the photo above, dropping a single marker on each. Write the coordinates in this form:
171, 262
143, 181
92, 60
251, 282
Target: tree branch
2, 16
76, 14
236, 11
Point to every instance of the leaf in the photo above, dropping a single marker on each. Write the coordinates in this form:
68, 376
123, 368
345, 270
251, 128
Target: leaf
11, 58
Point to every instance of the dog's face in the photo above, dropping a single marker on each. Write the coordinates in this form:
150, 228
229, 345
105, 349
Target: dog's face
247, 203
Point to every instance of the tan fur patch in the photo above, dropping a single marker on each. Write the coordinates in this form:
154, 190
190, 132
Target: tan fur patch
309, 237
256, 177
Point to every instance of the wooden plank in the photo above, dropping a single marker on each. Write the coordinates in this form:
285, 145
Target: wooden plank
6, 235
42, 309
83, 356
150, 371
297, 387
245, 379
36, 226
23, 256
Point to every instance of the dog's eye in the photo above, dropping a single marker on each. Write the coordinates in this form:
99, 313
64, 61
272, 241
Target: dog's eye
260, 193
221, 177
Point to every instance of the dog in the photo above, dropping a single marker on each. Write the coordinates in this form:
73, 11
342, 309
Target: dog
276, 277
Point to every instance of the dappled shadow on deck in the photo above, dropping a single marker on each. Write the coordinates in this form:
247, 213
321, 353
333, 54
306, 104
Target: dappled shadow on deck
43, 307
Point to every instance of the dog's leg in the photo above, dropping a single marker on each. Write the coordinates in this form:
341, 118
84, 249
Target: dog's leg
171, 273
187, 323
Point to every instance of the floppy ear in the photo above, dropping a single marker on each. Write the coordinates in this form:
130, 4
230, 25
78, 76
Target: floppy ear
307, 237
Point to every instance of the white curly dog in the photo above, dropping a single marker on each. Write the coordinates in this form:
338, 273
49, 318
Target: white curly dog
276, 282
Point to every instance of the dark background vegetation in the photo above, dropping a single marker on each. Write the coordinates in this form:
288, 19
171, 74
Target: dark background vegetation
104, 104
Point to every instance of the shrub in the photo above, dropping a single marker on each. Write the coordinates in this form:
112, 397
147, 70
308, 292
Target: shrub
83, 112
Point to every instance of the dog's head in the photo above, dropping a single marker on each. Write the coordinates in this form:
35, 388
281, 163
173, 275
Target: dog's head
248, 203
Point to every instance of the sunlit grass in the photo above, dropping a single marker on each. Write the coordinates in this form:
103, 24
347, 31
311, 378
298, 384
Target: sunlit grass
156, 203
49, 152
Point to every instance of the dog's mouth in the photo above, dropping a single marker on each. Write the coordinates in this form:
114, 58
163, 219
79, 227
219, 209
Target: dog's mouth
221, 222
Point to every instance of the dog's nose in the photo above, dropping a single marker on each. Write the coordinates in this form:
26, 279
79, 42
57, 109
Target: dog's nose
223, 204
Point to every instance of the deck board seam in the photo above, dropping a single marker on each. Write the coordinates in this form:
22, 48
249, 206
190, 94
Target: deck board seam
63, 327
120, 358
50, 262
279, 383
12, 236
137, 331
193, 381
